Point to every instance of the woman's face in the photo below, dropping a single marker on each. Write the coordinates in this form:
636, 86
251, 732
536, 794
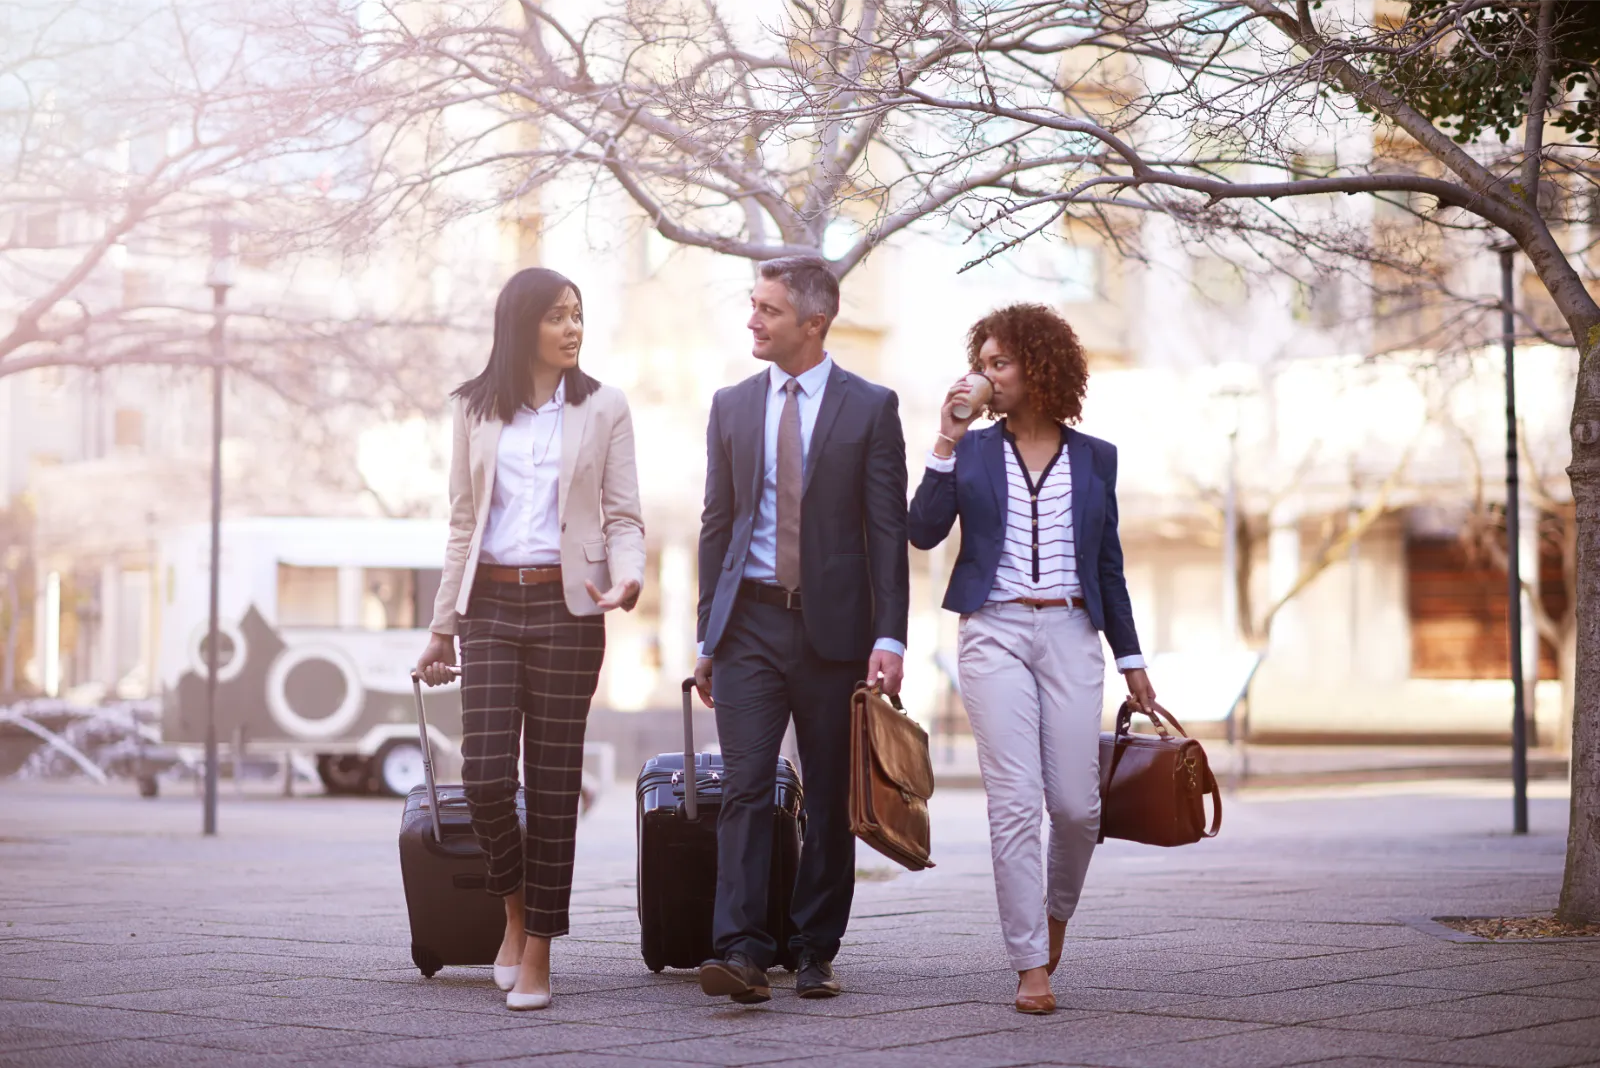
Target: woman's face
1005, 372
561, 332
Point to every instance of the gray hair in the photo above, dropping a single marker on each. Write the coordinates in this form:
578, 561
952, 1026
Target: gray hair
813, 290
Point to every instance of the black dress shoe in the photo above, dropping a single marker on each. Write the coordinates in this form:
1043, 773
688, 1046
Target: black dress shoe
736, 978
816, 979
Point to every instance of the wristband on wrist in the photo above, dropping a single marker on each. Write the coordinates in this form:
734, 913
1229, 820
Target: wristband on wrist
942, 436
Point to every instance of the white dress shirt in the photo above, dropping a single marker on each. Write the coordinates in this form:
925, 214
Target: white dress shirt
1055, 549
524, 528
761, 564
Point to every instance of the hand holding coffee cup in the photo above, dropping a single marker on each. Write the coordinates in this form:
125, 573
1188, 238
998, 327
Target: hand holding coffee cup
978, 389
961, 404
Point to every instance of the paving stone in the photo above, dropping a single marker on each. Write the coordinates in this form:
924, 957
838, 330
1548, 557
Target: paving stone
1428, 1020
1330, 1002
721, 1050
1263, 1048
1513, 1050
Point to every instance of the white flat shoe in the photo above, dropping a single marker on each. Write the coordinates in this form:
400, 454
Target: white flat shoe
524, 1002
505, 975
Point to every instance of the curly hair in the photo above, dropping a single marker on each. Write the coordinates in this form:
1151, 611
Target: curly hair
1054, 368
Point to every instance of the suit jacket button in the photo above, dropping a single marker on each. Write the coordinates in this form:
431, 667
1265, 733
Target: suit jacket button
563, 528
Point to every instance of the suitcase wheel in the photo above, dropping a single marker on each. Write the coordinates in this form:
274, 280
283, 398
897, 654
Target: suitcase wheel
426, 960
653, 959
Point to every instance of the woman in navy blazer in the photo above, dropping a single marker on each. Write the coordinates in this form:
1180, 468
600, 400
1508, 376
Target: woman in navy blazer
1037, 580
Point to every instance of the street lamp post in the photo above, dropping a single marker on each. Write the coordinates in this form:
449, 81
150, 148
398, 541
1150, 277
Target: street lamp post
1519, 713
220, 279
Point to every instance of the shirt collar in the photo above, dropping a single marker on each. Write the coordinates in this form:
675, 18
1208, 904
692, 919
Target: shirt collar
557, 400
810, 381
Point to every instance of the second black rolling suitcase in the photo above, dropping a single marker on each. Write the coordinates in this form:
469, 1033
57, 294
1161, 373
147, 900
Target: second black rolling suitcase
677, 839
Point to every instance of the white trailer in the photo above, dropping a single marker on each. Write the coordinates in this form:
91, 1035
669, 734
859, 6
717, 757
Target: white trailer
322, 620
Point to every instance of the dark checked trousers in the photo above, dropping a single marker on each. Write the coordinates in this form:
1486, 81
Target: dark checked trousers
528, 669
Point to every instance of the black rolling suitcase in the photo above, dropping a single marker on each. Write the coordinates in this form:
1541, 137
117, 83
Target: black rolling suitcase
454, 919
677, 828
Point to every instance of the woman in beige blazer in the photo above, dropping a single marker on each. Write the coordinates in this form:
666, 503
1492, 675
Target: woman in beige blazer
545, 537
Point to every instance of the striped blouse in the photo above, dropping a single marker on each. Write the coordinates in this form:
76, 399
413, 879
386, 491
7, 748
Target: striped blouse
1039, 557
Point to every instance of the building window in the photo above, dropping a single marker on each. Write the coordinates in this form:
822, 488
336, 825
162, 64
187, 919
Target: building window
127, 428
1080, 274
42, 229
1219, 282
308, 596
1457, 603
388, 598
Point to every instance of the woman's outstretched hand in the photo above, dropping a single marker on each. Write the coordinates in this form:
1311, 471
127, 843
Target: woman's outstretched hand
623, 595
437, 659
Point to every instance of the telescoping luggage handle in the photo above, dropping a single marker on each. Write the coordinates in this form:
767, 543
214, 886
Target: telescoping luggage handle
427, 753
691, 796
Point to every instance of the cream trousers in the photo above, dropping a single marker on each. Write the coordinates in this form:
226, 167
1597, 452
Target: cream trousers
1031, 679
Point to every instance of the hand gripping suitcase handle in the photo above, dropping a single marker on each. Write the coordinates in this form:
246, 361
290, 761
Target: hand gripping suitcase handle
691, 796
427, 754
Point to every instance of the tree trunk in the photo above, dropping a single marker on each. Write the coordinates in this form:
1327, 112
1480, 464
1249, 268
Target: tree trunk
1580, 890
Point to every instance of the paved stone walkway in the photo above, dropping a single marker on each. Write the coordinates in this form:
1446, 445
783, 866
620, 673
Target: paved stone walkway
127, 940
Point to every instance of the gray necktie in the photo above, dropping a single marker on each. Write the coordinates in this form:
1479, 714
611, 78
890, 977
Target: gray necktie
789, 470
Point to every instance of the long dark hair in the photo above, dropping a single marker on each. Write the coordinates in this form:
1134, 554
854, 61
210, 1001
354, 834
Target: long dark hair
503, 385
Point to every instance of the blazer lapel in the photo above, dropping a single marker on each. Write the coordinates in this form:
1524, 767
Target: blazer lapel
755, 434
486, 442
1082, 473
992, 446
833, 397
574, 421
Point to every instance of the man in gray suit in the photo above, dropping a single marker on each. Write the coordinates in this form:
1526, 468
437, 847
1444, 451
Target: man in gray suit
803, 591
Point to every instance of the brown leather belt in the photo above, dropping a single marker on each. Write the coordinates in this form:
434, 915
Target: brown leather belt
521, 576
1048, 602
773, 595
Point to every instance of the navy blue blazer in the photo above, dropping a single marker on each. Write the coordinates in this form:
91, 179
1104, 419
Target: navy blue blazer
976, 493
854, 572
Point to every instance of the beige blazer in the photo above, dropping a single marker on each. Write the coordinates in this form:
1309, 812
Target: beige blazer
602, 530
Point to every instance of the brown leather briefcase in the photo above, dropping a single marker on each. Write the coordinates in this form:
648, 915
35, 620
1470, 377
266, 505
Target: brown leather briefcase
891, 779
1153, 786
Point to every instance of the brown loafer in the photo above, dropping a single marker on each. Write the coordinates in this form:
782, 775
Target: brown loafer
1035, 1004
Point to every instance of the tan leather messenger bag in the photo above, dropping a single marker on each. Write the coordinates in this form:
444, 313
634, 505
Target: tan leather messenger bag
891, 779
1153, 786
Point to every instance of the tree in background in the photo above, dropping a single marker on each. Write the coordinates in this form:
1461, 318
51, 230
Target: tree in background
127, 130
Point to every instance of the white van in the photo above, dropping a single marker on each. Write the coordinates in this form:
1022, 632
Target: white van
322, 621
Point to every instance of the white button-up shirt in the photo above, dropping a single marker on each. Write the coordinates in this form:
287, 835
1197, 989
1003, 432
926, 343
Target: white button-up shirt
524, 528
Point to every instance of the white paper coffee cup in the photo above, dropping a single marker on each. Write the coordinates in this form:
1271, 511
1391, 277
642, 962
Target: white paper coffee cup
980, 389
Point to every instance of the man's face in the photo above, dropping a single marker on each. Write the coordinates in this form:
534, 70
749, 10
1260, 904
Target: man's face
776, 331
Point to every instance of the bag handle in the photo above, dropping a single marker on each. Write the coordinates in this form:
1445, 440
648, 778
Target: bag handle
1125, 722
1216, 806
1126, 713
691, 795
877, 688
427, 752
